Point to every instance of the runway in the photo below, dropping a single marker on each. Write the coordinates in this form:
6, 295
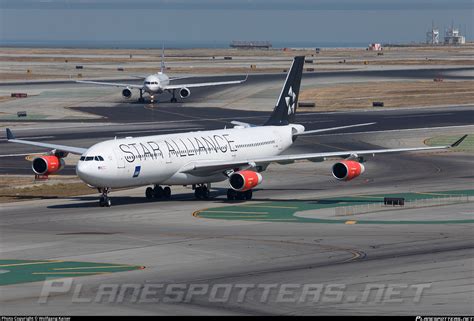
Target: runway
165, 120
417, 73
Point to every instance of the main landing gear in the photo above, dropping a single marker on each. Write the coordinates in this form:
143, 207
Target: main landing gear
104, 200
158, 192
233, 195
202, 191
173, 99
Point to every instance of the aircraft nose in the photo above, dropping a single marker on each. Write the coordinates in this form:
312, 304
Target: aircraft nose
83, 171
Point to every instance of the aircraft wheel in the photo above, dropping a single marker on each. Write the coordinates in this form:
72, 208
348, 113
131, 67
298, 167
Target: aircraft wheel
205, 193
240, 196
174, 100
231, 194
167, 192
198, 192
248, 194
158, 192
105, 202
149, 193
141, 100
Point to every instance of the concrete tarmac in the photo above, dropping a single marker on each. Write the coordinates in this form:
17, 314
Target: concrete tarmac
307, 268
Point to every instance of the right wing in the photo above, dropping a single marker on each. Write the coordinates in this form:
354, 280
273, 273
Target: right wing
209, 167
112, 84
70, 149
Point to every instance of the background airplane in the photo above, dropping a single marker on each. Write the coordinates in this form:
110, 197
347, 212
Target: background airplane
159, 83
239, 154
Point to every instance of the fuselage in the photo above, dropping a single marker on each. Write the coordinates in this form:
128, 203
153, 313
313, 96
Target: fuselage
158, 159
153, 84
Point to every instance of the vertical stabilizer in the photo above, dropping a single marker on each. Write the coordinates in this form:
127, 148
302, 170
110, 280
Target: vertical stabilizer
285, 109
162, 67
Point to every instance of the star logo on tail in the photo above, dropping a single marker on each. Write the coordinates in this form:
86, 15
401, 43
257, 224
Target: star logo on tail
290, 101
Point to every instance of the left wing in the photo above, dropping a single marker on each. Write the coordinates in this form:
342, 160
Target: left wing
215, 166
205, 84
70, 149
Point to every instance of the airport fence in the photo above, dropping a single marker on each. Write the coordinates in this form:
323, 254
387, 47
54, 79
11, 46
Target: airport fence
411, 204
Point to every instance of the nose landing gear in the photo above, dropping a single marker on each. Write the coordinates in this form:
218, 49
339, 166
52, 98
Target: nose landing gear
173, 99
141, 99
104, 200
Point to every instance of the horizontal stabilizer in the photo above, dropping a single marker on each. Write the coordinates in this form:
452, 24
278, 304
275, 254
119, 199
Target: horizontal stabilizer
459, 141
239, 123
308, 132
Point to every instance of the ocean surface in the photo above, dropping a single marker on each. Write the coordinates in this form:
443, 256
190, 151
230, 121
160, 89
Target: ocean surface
168, 44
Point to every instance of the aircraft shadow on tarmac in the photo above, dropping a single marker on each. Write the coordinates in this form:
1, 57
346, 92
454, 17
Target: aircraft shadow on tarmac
92, 201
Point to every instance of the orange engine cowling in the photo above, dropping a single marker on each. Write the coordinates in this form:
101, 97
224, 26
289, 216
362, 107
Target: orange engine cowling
46, 165
347, 169
244, 180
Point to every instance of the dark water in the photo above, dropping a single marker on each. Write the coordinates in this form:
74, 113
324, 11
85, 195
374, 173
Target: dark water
168, 44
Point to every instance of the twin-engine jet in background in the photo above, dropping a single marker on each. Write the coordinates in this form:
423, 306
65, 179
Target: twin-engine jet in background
159, 83
239, 154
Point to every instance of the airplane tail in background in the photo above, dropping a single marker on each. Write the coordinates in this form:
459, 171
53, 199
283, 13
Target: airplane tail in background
162, 67
285, 109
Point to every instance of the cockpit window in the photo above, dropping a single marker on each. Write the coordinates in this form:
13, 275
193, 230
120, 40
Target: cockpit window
101, 158
89, 158
82, 158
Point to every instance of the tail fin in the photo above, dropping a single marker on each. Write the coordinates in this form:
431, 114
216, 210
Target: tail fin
162, 67
284, 111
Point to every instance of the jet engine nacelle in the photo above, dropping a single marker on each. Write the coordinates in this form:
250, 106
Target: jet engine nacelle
347, 169
184, 92
46, 165
127, 93
244, 180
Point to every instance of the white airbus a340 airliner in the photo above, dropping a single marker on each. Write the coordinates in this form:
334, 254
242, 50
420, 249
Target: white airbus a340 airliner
159, 83
237, 154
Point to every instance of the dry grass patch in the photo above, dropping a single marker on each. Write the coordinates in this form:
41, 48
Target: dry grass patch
23, 188
393, 94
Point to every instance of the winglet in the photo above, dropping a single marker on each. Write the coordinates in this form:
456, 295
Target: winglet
10, 134
458, 142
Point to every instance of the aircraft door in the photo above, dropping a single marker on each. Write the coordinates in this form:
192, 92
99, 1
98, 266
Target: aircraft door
120, 159
278, 140
165, 151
